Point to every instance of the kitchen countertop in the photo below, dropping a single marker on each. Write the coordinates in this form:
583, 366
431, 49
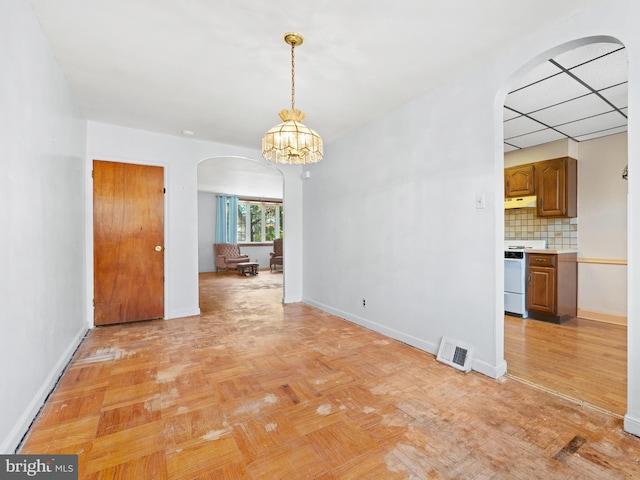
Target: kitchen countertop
551, 251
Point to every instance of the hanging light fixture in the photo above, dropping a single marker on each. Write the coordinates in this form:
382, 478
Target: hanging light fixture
291, 141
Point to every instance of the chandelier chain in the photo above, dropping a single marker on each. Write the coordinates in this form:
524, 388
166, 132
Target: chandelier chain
293, 76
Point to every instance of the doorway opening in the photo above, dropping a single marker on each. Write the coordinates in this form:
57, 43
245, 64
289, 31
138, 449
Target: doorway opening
573, 103
260, 190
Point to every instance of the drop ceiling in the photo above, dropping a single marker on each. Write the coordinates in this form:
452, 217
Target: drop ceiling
580, 95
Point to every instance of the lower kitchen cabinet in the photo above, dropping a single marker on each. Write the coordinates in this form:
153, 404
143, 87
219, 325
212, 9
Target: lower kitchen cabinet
552, 286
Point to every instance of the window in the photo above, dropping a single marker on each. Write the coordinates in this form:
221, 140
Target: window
259, 222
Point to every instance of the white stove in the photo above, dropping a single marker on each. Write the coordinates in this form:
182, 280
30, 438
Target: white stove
515, 272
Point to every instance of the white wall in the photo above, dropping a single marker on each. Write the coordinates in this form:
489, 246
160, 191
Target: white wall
258, 253
390, 213
602, 219
602, 226
207, 202
180, 157
42, 213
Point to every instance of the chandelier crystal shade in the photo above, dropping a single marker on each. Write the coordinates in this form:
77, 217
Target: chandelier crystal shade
292, 142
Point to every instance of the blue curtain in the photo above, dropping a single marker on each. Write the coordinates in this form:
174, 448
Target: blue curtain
221, 220
227, 219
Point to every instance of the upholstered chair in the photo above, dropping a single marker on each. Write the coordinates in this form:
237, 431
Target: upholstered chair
276, 255
228, 255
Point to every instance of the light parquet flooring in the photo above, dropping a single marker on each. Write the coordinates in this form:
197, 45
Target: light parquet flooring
253, 389
582, 359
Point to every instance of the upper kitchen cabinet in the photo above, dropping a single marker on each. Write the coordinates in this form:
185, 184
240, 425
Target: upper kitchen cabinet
557, 187
519, 181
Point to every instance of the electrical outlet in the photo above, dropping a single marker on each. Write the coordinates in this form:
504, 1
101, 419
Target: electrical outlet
364, 303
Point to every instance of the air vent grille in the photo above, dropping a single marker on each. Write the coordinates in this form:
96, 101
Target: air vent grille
456, 354
460, 356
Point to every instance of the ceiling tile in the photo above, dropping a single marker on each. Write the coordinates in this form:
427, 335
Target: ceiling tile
545, 93
604, 72
520, 126
509, 114
617, 95
509, 148
573, 110
536, 138
593, 124
611, 131
583, 54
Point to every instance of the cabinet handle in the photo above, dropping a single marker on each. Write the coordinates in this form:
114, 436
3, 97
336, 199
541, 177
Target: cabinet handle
539, 259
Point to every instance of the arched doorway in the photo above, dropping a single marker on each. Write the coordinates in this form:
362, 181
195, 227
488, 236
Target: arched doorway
574, 103
251, 181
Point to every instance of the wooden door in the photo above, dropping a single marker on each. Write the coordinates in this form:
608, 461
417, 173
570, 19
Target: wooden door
128, 241
519, 181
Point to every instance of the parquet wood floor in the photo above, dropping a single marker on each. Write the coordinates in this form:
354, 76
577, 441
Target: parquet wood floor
582, 359
253, 389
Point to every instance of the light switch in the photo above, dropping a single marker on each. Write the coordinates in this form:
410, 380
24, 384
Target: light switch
480, 200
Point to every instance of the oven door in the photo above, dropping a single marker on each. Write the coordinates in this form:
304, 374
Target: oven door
514, 275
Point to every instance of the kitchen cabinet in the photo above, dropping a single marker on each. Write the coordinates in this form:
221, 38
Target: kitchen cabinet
519, 181
557, 187
552, 286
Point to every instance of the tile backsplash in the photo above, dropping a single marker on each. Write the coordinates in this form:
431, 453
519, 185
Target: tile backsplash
524, 224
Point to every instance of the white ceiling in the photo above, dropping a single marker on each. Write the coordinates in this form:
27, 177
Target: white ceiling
221, 69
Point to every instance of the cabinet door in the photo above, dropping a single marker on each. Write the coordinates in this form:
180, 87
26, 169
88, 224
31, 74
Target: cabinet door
519, 181
541, 289
552, 188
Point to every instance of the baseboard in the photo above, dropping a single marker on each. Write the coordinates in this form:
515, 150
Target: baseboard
186, 312
493, 371
602, 317
632, 425
12, 442
376, 327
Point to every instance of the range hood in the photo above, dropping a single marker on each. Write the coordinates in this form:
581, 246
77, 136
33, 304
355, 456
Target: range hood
520, 202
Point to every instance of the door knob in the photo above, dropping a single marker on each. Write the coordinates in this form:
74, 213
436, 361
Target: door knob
158, 248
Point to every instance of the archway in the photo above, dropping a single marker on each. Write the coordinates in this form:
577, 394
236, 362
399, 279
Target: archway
250, 180
577, 115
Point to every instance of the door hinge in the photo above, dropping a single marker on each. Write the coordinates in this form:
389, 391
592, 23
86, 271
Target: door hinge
92, 171
164, 190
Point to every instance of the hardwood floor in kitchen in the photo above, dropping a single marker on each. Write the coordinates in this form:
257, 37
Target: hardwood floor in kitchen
582, 359
253, 389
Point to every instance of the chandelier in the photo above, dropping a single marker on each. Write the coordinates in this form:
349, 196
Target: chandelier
292, 142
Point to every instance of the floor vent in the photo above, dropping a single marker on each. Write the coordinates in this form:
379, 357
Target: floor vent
456, 354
